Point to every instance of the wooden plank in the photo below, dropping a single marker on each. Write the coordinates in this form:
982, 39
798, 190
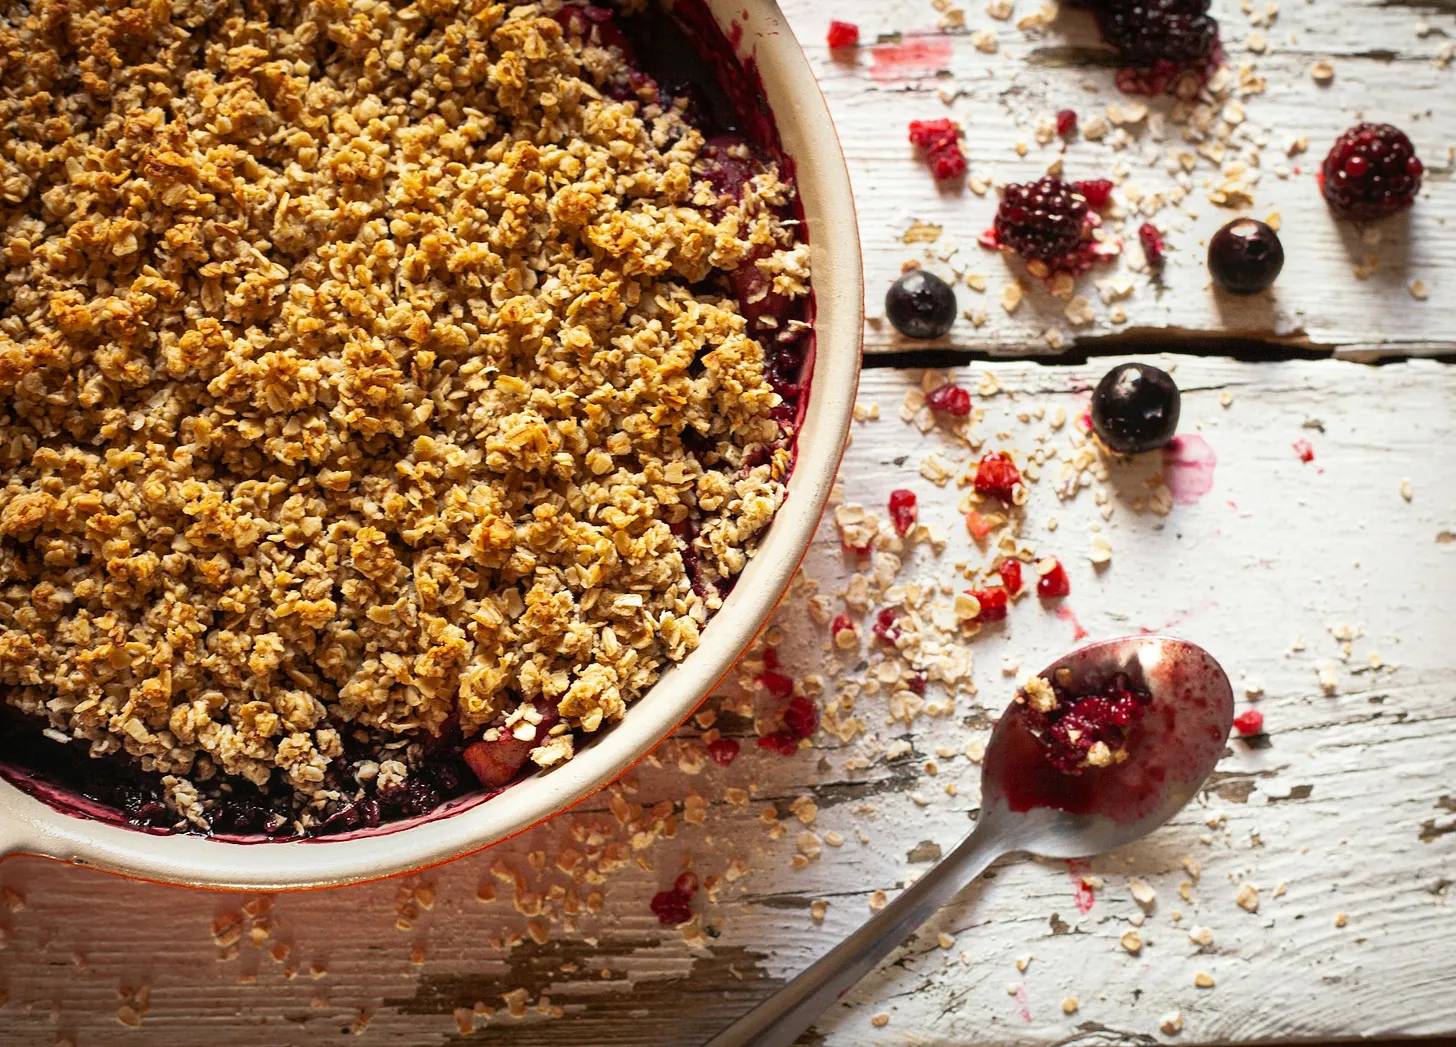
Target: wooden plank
1349, 806
1387, 62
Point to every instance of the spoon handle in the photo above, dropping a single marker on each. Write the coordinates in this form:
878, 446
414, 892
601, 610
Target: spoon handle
778, 1021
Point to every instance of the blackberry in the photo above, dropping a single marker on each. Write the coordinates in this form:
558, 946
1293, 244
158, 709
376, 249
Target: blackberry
1371, 171
1044, 221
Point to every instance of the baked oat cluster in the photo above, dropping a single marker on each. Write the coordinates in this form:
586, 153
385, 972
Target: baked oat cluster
373, 374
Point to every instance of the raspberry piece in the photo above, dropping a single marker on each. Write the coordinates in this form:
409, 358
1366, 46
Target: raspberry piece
993, 604
781, 742
941, 141
686, 883
978, 526
1054, 583
776, 684
723, 751
1046, 222
1305, 450
1096, 191
997, 476
840, 624
1371, 171
842, 34
903, 510
917, 683
949, 399
1251, 721
1158, 41
801, 718
673, 907
885, 629
1077, 722
1152, 243
1066, 123
1010, 572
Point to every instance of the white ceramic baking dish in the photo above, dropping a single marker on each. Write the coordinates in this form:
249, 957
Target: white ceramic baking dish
762, 38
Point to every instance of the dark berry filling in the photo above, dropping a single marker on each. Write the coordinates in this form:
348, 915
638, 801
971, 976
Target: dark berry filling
1084, 729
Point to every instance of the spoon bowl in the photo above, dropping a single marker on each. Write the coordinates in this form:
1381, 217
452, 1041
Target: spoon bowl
1028, 805
1175, 747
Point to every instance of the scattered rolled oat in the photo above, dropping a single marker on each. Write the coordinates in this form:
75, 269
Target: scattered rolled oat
1070, 1005
1203, 980
1247, 897
1171, 1023
1132, 942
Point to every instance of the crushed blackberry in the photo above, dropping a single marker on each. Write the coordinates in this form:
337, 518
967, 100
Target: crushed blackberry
1158, 41
1371, 171
1046, 222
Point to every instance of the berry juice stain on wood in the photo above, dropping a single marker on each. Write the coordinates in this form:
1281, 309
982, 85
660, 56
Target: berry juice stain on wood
910, 59
1188, 465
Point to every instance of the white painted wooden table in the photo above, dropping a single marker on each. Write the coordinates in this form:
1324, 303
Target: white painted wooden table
1345, 820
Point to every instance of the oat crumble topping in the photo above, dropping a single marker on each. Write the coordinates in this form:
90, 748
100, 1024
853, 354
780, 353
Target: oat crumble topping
371, 372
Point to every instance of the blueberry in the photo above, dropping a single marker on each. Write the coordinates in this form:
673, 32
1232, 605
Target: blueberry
1135, 408
1245, 256
921, 305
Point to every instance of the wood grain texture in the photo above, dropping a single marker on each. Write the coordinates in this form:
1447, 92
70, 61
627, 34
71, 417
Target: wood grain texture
1350, 805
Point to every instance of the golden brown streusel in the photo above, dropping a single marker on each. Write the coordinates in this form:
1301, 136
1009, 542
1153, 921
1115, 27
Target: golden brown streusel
347, 350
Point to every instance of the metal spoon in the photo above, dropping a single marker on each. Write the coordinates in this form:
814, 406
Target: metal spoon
1181, 737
